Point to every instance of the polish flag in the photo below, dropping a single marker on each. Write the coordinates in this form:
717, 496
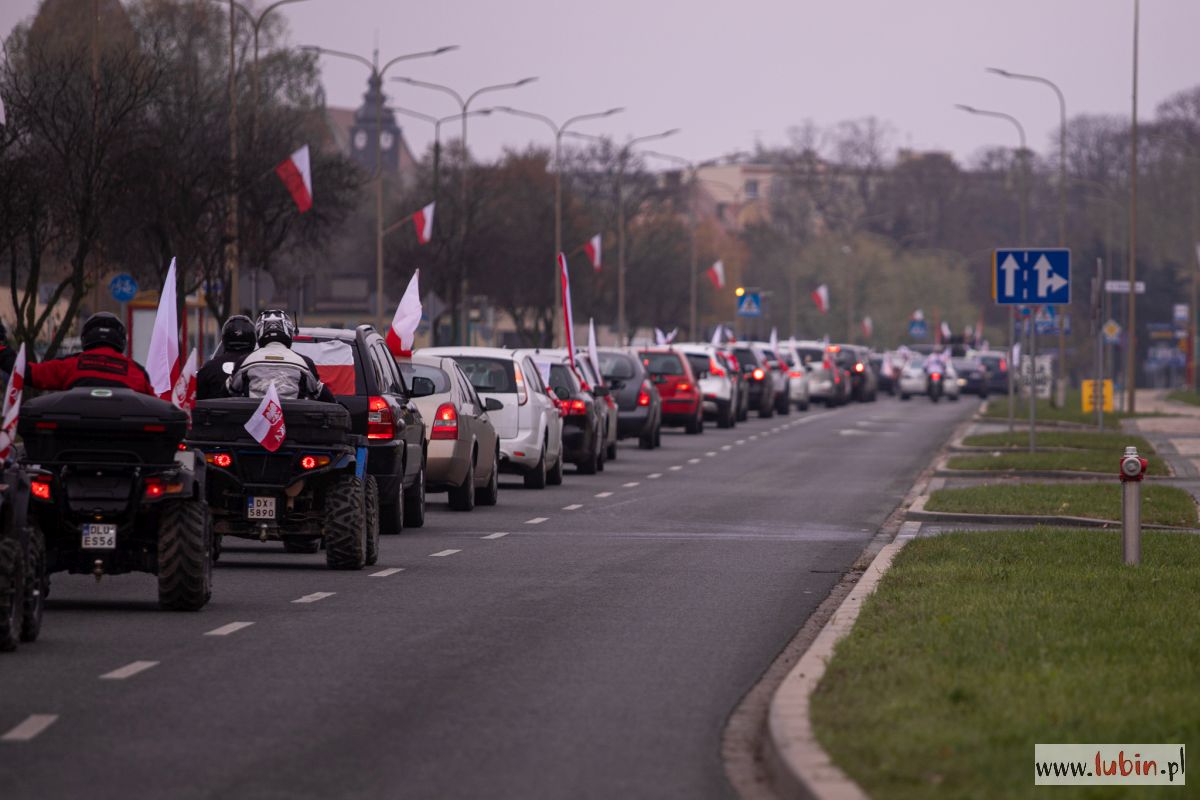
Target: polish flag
946, 332
162, 360
266, 423
564, 278
774, 343
296, 174
868, 327
716, 274
663, 339
183, 394
820, 296
592, 248
404, 324
423, 222
12, 405
593, 353
718, 335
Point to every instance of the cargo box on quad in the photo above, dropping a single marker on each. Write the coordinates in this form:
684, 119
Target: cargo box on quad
309, 492
114, 491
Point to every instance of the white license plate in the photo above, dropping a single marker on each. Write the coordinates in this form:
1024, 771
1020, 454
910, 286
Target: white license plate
99, 536
260, 508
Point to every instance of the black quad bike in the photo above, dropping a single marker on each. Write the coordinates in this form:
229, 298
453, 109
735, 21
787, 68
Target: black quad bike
114, 491
22, 563
311, 492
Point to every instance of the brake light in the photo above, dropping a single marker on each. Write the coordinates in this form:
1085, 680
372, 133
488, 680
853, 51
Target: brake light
154, 488
683, 387
715, 369
795, 374
858, 367
644, 395
576, 407
937, 376
41, 489
1004, 365
522, 394
380, 424
834, 348
758, 374
154, 428
445, 422
222, 460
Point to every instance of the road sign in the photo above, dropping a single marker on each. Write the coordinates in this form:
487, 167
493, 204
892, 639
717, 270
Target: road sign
1088, 395
1180, 314
917, 328
1122, 287
1038, 277
123, 287
1111, 331
750, 305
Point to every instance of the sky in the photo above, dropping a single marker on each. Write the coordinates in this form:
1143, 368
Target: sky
733, 74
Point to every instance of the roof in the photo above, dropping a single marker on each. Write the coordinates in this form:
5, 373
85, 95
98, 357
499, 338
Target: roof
346, 334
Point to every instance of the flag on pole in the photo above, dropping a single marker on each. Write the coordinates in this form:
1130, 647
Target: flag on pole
406, 319
12, 405
716, 274
593, 352
162, 359
266, 424
946, 332
592, 248
423, 222
820, 296
663, 339
564, 278
718, 335
868, 327
183, 394
296, 174
774, 343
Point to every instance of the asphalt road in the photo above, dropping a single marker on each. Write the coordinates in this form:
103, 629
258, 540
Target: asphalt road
588, 640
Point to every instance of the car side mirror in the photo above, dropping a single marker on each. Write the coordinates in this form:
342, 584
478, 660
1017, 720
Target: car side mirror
421, 387
600, 391
492, 404
561, 393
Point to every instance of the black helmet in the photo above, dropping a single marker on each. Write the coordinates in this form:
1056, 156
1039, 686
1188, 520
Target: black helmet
274, 325
104, 329
238, 333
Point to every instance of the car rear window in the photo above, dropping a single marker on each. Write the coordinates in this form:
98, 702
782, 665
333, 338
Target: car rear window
489, 375
615, 366
746, 357
811, 355
991, 362
699, 363
441, 381
663, 363
335, 362
561, 378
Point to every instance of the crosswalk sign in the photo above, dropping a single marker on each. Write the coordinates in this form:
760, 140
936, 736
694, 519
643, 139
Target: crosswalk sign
750, 305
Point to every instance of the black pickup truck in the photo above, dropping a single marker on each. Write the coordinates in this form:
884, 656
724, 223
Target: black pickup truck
360, 371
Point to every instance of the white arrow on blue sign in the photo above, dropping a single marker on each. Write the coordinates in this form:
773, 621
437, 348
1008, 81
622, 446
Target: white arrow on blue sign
1037, 277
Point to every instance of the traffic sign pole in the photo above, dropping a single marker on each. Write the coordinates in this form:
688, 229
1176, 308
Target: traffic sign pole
1033, 379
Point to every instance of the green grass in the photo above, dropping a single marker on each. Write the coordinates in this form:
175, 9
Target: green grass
1070, 461
976, 646
1161, 505
1185, 396
1110, 441
1072, 412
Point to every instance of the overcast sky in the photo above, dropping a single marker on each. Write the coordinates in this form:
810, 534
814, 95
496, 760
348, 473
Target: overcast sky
733, 73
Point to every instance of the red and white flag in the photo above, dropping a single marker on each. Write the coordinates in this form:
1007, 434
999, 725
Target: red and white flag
718, 336
404, 323
820, 296
773, 341
592, 248
296, 174
564, 278
593, 352
183, 394
266, 423
663, 339
162, 360
868, 327
423, 222
716, 274
12, 405
946, 332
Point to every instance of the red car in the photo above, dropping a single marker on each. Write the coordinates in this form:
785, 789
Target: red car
682, 402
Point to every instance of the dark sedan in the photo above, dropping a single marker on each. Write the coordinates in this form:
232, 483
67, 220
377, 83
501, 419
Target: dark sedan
639, 406
583, 418
997, 368
972, 376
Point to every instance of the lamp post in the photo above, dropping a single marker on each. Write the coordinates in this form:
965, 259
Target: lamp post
437, 123
558, 130
1061, 388
1023, 204
464, 104
376, 85
1131, 350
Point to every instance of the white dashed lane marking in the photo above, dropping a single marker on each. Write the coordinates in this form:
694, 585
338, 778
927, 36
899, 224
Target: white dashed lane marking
28, 729
693, 461
128, 671
314, 597
603, 494
740, 441
444, 553
573, 507
496, 535
654, 475
710, 453
631, 484
726, 447
385, 573
232, 627
536, 520
676, 467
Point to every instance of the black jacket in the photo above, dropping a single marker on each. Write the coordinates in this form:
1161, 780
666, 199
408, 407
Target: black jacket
210, 380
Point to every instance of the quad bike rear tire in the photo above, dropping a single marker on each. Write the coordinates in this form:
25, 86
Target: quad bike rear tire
184, 556
345, 524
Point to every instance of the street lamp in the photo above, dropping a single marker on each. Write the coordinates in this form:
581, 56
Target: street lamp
464, 105
559, 130
376, 85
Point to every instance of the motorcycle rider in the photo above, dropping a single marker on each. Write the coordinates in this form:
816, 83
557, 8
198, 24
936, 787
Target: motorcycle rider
102, 363
237, 341
295, 375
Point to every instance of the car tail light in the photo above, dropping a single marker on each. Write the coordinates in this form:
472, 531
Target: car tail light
758, 374
683, 387
313, 461
859, 367
715, 369
445, 422
644, 395
522, 394
154, 428
937, 376
1004, 365
222, 460
795, 373
380, 424
41, 489
575, 407
46, 426
154, 488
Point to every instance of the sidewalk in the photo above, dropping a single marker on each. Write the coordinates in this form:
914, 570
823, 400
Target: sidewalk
1177, 437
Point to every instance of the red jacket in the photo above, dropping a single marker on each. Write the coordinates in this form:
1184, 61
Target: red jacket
99, 366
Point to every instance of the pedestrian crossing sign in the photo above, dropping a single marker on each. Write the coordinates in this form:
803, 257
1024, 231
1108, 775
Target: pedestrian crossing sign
750, 305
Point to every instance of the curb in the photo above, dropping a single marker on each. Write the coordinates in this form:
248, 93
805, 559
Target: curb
917, 512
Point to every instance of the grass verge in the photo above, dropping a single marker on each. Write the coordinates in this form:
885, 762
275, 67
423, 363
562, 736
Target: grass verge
1113, 442
1185, 396
1071, 412
1070, 461
1161, 505
976, 646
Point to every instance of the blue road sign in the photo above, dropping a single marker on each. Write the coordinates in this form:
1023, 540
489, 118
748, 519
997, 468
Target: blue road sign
750, 305
917, 328
123, 287
1037, 277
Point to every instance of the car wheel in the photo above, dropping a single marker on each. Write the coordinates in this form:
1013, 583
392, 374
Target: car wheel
695, 425
414, 501
462, 497
646, 441
766, 412
611, 452
904, 396
488, 495
536, 477
725, 417
371, 513
555, 476
803, 405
